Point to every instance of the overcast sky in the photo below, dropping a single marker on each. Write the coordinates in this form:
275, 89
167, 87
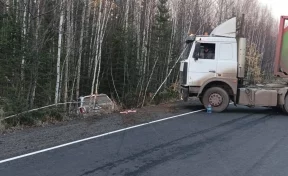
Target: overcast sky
279, 7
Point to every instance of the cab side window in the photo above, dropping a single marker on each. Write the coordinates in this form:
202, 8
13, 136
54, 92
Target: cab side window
207, 51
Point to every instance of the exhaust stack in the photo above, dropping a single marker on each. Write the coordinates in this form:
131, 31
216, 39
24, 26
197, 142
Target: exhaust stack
241, 57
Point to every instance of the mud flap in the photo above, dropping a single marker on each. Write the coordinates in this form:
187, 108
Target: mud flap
283, 100
185, 94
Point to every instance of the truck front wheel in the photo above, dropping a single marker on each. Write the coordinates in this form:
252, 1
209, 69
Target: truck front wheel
201, 100
217, 97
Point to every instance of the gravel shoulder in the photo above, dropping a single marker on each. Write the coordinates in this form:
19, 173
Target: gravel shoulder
13, 143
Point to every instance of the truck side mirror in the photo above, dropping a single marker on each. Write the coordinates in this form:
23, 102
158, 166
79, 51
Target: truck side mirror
196, 51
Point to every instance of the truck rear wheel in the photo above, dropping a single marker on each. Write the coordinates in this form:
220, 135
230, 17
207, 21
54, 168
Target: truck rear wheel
217, 97
285, 106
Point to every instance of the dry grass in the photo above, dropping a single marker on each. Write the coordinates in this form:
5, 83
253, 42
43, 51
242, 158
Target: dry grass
2, 126
253, 68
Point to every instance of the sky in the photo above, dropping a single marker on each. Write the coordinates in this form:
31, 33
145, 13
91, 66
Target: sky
279, 7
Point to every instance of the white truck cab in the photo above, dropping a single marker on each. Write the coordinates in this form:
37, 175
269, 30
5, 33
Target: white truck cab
210, 58
213, 69
216, 63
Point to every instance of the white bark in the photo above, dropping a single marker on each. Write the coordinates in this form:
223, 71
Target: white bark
113, 82
144, 46
59, 54
8, 5
148, 83
24, 30
34, 85
169, 58
137, 25
69, 39
126, 20
102, 33
97, 46
17, 10
126, 14
92, 42
80, 49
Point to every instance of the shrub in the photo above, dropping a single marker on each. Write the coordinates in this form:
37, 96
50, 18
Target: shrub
35, 117
169, 94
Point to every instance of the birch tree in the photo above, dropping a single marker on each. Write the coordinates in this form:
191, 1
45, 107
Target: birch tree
61, 22
81, 47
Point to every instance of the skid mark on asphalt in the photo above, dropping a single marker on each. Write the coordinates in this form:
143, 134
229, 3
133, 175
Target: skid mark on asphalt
262, 158
175, 150
191, 149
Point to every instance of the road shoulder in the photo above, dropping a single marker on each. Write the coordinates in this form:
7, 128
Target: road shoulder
31, 139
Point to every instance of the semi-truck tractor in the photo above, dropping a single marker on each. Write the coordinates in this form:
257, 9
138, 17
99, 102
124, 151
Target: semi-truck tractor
213, 69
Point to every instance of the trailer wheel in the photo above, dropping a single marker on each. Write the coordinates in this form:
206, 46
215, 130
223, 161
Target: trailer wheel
217, 97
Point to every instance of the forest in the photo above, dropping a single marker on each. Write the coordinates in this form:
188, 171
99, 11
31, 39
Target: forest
54, 51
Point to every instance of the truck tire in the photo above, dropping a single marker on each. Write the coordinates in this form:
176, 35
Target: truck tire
285, 106
217, 97
201, 100
276, 109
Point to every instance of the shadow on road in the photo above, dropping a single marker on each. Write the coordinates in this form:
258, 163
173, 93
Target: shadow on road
255, 110
196, 105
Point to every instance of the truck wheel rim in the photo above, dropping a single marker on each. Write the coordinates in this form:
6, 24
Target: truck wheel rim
215, 99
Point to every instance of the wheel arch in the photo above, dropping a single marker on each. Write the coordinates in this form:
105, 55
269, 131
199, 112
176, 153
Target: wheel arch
226, 85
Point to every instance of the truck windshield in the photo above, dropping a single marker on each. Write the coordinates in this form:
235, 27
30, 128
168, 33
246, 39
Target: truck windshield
187, 51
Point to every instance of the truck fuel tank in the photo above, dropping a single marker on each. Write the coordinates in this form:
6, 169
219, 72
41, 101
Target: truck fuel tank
257, 97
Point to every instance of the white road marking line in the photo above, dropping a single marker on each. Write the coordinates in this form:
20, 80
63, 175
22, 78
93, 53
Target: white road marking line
94, 137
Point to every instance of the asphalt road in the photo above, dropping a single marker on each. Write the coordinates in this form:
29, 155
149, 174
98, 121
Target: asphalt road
238, 142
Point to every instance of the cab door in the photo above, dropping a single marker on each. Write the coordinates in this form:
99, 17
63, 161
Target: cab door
203, 63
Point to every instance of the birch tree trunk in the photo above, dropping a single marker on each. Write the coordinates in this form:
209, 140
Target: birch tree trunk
126, 20
24, 30
144, 47
93, 39
69, 39
35, 78
60, 31
97, 36
80, 49
102, 34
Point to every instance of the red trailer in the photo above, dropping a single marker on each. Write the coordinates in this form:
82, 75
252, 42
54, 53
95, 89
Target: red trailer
281, 60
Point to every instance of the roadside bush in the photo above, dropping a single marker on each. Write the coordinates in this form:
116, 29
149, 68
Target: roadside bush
2, 126
130, 100
35, 118
54, 114
169, 94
